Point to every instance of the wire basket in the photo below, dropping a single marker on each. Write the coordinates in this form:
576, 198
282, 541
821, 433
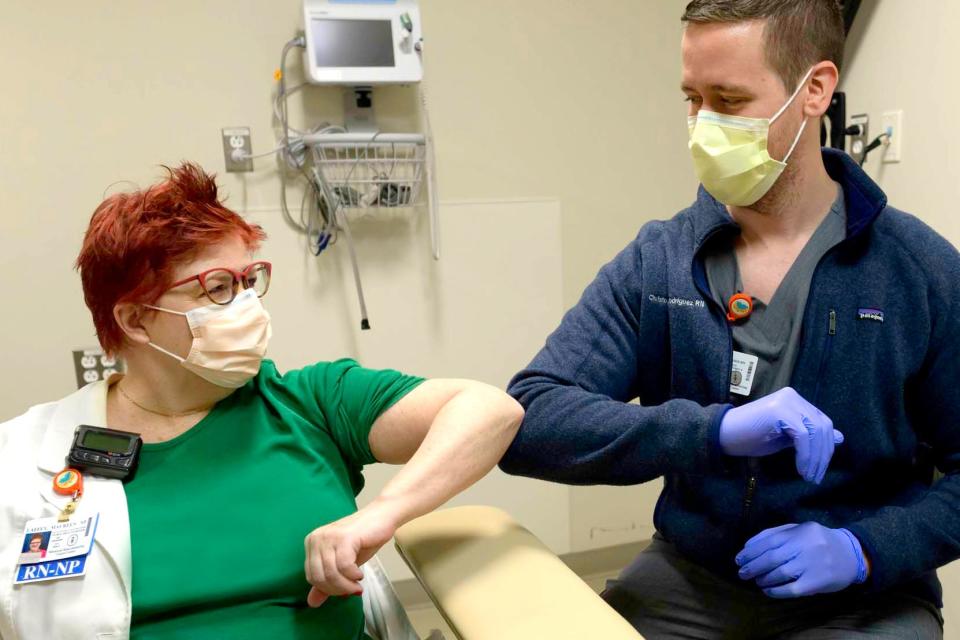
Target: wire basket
371, 171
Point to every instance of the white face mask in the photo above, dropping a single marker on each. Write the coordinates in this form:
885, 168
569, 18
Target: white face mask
730, 153
229, 341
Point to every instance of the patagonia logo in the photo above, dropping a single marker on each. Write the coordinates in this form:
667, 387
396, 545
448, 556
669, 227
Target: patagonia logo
870, 314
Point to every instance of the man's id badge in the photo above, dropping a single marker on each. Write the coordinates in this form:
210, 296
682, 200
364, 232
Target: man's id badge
744, 370
53, 549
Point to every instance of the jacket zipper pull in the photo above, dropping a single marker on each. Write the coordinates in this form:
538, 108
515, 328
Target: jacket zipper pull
833, 323
751, 489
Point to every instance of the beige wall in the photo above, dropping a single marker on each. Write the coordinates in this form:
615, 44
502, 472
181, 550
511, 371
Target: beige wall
576, 100
903, 55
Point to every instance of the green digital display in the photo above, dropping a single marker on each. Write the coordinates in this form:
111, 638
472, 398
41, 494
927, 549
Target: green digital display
105, 442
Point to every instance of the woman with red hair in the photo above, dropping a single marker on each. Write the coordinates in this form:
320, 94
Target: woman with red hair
241, 520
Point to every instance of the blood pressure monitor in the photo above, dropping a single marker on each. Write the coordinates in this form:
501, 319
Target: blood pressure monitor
362, 42
105, 452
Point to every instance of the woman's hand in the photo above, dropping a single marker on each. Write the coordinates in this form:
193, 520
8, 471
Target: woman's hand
335, 552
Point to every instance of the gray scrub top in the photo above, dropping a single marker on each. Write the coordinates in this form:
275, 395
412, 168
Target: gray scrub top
772, 331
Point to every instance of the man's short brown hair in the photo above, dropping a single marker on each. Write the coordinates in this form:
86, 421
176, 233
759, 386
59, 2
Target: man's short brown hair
798, 33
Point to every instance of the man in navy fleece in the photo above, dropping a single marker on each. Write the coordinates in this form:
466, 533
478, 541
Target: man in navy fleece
794, 343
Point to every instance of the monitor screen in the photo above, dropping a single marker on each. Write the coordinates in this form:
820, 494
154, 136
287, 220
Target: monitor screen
105, 442
352, 43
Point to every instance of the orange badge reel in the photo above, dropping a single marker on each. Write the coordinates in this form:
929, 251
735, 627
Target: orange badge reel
739, 307
68, 482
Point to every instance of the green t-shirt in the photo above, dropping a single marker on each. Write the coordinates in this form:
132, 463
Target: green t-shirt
218, 515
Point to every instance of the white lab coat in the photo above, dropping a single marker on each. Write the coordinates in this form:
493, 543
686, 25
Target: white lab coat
33, 448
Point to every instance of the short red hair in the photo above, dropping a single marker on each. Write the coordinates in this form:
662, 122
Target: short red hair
136, 240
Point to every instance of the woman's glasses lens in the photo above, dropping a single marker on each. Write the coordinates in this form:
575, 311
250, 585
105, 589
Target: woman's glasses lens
220, 286
258, 279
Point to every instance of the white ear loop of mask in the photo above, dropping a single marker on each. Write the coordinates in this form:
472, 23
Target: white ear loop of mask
803, 125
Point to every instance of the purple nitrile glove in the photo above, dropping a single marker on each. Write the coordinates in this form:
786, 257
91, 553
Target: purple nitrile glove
802, 559
777, 421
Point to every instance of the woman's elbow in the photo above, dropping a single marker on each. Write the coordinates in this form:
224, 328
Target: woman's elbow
502, 409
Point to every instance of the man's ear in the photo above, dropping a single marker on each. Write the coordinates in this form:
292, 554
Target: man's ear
820, 88
129, 317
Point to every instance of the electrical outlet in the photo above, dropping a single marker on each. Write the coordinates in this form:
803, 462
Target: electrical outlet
237, 139
891, 122
92, 365
859, 141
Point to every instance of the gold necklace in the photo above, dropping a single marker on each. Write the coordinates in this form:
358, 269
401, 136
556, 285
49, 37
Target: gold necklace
158, 413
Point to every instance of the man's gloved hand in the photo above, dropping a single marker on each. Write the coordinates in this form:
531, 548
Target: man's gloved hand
777, 421
802, 559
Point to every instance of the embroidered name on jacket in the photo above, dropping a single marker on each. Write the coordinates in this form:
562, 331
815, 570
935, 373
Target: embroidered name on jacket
870, 314
676, 302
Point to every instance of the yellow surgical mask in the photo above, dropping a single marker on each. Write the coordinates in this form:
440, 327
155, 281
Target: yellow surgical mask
730, 153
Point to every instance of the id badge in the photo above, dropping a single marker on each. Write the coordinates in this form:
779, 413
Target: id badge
53, 550
743, 372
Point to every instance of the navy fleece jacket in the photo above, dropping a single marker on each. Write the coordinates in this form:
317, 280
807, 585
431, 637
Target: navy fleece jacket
886, 369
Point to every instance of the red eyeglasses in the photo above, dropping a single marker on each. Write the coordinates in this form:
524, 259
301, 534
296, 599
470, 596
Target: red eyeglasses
221, 285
